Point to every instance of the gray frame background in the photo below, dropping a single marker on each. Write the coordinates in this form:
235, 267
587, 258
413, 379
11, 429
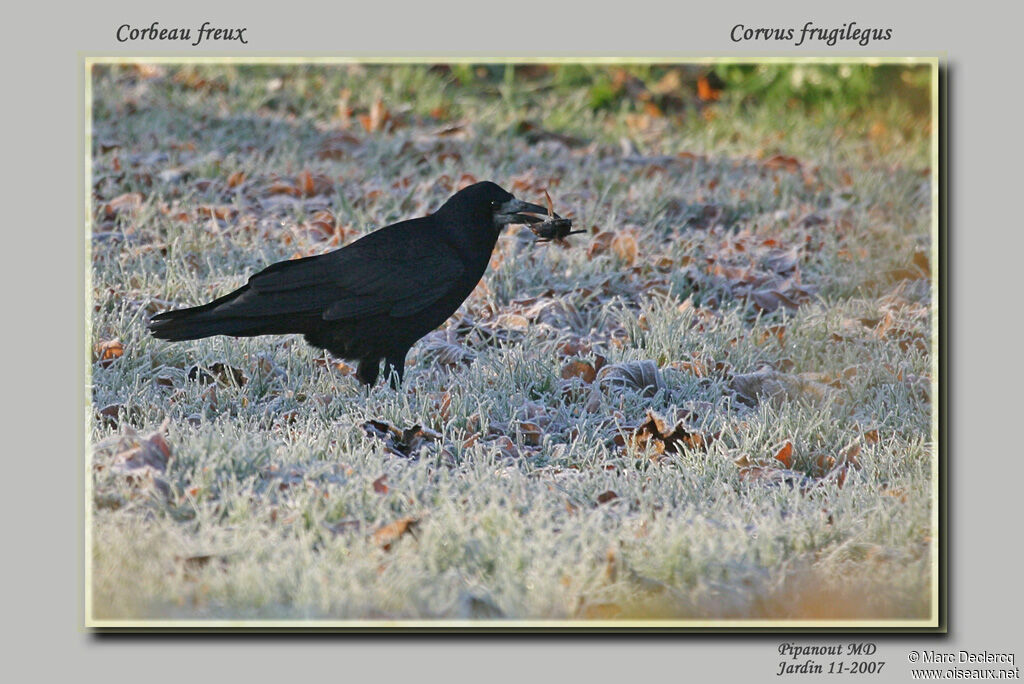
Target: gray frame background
44, 269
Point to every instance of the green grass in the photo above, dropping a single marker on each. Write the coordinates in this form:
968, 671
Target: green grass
268, 508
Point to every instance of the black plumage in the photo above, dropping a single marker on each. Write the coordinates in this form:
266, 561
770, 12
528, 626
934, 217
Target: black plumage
372, 299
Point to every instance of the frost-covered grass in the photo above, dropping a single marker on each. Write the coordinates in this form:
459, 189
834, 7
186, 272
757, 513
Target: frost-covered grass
268, 506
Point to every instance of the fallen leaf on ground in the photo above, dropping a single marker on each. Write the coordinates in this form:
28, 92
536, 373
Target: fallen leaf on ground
151, 451
921, 260
311, 183
110, 413
781, 161
643, 376
219, 372
404, 443
123, 205
770, 300
535, 134
579, 369
624, 246
282, 187
377, 119
706, 91
334, 365
221, 212
337, 145
441, 349
191, 565
531, 433
108, 351
655, 435
600, 243
778, 387
774, 477
785, 455
506, 447
392, 532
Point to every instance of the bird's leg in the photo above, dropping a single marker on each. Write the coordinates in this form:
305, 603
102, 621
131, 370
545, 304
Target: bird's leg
367, 371
394, 367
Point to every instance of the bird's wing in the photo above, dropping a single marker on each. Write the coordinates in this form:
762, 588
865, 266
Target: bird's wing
397, 270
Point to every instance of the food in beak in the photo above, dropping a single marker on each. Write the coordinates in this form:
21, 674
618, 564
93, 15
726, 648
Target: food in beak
548, 227
512, 212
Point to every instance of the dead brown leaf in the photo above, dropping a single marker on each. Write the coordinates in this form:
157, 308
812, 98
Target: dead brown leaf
443, 350
624, 246
441, 404
823, 464
579, 369
324, 223
108, 351
192, 565
109, 414
534, 133
218, 372
388, 534
123, 205
922, 262
574, 346
778, 387
782, 162
282, 187
152, 451
505, 446
404, 443
706, 91
654, 434
600, 243
785, 455
337, 145
531, 433
339, 366
774, 477
377, 119
770, 300
221, 212
643, 376
311, 184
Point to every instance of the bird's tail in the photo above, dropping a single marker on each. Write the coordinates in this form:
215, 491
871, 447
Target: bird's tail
208, 320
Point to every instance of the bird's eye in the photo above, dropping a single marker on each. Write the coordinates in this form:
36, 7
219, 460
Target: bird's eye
495, 204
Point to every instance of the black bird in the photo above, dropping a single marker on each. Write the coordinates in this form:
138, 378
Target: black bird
370, 300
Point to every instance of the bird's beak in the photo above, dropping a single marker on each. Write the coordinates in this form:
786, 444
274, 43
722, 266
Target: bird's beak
511, 212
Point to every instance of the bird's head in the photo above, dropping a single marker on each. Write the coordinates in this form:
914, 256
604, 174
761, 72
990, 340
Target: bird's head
491, 201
